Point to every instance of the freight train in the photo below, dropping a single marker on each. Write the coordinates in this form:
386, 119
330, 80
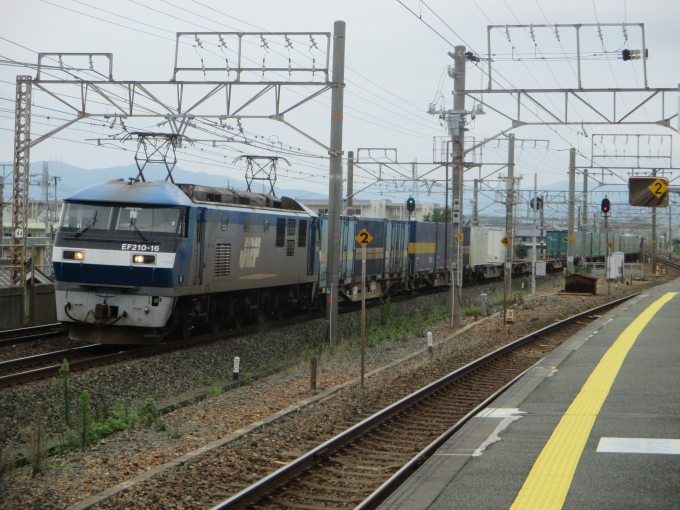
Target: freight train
135, 261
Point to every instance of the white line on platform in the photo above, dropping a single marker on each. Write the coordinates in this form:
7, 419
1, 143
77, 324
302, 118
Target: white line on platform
638, 445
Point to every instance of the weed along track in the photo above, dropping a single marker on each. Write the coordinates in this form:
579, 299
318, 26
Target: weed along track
351, 468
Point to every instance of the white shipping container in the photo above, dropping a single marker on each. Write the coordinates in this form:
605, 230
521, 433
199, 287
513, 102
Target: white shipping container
478, 246
495, 250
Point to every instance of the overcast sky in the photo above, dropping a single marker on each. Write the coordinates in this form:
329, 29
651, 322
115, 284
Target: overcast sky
395, 66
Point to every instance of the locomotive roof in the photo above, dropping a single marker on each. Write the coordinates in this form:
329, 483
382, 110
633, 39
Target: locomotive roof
164, 193
120, 191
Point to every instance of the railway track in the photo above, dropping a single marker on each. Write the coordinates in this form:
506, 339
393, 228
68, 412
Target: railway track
99, 355
23, 335
363, 465
663, 258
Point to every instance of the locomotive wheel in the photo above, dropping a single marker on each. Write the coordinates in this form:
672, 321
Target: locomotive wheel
261, 317
238, 320
216, 327
280, 312
187, 328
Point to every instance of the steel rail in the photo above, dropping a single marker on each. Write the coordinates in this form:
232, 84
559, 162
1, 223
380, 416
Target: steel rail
14, 336
6, 366
662, 258
40, 373
150, 350
270, 483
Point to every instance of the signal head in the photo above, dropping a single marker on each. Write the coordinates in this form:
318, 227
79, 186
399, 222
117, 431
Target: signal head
410, 204
605, 206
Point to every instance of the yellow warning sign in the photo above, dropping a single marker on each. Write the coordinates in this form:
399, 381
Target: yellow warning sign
364, 238
610, 245
461, 237
658, 188
572, 238
506, 241
654, 241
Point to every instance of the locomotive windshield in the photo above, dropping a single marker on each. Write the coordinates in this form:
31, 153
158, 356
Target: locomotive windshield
151, 220
88, 220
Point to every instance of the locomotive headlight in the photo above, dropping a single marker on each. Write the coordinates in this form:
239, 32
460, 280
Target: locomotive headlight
143, 259
73, 255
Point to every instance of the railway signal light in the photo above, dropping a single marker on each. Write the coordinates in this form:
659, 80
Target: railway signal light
606, 205
536, 203
410, 204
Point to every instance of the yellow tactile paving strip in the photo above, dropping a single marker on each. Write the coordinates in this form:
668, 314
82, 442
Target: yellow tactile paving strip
548, 482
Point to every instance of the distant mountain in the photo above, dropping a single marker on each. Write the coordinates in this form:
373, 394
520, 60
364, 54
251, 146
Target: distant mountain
74, 178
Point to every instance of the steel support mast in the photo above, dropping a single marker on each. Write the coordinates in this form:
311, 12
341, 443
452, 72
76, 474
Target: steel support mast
584, 226
22, 141
350, 182
570, 219
509, 218
652, 248
533, 233
456, 121
475, 205
335, 180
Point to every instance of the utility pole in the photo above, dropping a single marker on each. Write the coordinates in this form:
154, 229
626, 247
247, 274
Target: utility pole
606, 247
335, 181
22, 141
56, 205
653, 246
542, 233
670, 232
509, 202
350, 181
414, 176
456, 121
475, 205
572, 193
577, 227
533, 250
584, 228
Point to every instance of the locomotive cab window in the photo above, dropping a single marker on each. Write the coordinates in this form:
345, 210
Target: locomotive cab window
225, 223
80, 219
149, 220
291, 228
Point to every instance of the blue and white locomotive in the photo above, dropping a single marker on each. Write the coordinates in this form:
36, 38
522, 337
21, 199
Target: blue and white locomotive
136, 260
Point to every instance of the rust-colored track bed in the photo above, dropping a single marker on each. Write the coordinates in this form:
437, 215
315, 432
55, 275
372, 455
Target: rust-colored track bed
361, 466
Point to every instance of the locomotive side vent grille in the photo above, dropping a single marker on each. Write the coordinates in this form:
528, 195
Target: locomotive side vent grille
280, 232
222, 259
302, 234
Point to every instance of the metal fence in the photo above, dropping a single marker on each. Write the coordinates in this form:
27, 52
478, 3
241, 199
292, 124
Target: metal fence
636, 270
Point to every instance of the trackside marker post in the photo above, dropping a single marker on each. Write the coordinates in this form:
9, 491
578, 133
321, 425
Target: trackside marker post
363, 238
312, 377
429, 342
237, 367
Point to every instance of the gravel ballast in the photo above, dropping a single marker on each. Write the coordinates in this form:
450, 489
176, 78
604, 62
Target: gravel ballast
79, 474
176, 375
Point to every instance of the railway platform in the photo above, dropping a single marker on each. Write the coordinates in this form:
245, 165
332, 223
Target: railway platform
595, 424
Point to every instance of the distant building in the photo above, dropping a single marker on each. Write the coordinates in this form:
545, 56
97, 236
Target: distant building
376, 209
